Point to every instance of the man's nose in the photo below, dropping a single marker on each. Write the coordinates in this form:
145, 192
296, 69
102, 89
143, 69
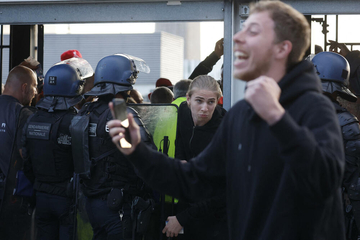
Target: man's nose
239, 36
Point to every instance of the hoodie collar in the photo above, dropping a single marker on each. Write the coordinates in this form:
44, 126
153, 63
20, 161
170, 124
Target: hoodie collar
300, 79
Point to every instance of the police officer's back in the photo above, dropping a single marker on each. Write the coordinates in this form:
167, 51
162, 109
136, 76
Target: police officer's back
334, 71
110, 184
47, 149
15, 212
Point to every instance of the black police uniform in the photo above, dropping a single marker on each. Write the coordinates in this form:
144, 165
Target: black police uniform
351, 136
112, 177
15, 217
10, 110
49, 165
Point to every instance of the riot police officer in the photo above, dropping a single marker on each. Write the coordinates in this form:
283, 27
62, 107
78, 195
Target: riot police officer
334, 70
47, 148
112, 189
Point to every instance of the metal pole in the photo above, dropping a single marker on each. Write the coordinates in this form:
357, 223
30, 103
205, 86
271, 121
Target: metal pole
228, 55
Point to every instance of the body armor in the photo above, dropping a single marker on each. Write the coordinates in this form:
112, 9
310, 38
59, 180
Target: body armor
51, 158
109, 168
351, 136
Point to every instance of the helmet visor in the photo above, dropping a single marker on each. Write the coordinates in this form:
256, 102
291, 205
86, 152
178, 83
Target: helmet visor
140, 64
82, 66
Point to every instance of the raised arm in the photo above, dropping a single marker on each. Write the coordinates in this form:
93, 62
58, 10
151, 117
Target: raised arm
194, 180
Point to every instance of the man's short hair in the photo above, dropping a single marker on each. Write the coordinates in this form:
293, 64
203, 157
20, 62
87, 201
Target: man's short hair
181, 87
136, 96
289, 24
318, 49
162, 95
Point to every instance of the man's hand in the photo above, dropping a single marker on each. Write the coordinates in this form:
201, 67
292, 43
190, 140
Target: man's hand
173, 227
219, 48
263, 95
117, 132
335, 45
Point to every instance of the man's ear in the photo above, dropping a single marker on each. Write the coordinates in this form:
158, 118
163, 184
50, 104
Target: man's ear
283, 49
188, 99
24, 88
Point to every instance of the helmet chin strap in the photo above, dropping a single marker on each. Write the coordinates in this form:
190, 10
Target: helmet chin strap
102, 86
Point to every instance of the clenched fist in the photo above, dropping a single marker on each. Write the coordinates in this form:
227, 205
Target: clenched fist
263, 95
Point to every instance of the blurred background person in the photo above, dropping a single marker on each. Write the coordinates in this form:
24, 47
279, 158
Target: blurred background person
164, 82
180, 89
73, 53
161, 82
353, 57
34, 65
136, 95
208, 63
162, 95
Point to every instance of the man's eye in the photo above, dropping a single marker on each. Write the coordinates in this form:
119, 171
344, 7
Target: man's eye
252, 31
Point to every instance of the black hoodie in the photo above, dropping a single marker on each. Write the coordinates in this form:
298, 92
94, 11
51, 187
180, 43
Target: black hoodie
206, 219
282, 181
190, 139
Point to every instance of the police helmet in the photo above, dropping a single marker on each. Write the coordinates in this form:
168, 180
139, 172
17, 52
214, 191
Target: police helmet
62, 80
116, 73
334, 71
117, 69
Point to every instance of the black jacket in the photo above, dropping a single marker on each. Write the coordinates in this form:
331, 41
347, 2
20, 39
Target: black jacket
282, 181
192, 140
13, 206
13, 117
205, 66
9, 115
205, 219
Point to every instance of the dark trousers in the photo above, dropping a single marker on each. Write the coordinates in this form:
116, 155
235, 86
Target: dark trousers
53, 217
106, 223
15, 220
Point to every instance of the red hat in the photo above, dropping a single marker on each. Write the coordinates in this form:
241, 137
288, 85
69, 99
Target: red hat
163, 82
70, 54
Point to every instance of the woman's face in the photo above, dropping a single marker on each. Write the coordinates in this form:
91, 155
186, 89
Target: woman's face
202, 104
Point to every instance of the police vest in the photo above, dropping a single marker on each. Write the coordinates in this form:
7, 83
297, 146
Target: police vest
48, 145
109, 168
